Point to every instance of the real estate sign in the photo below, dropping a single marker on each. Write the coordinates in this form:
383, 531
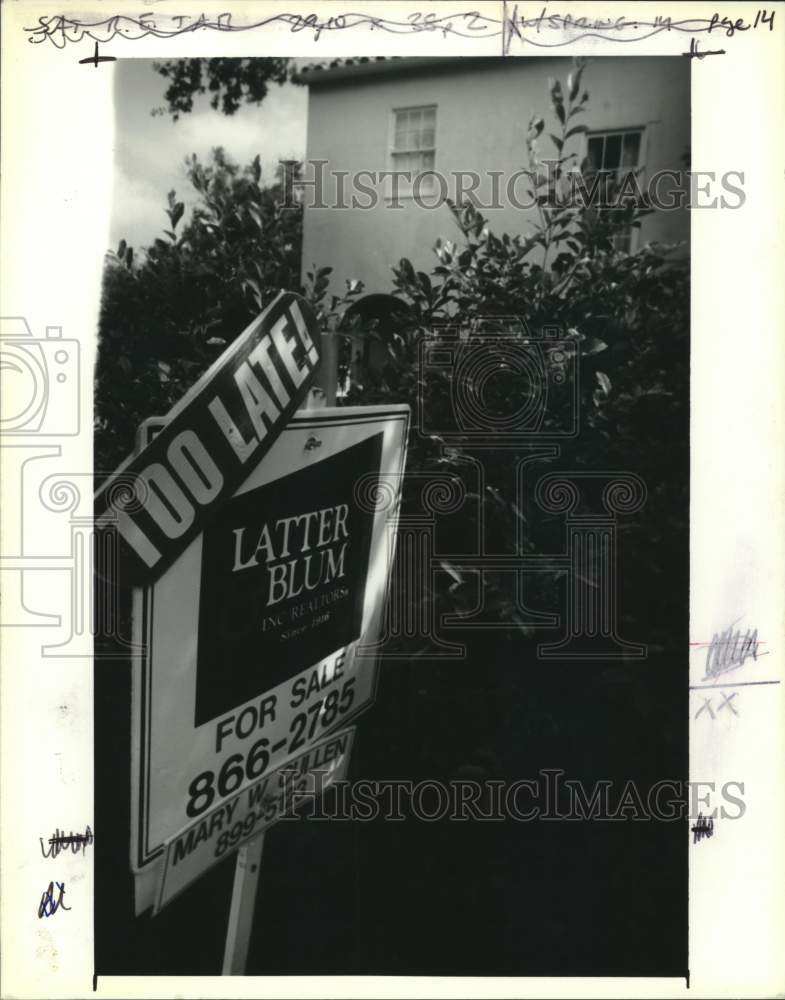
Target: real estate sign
253, 637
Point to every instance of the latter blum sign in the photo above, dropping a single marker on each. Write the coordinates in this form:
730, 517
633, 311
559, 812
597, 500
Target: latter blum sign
284, 572
260, 640
213, 438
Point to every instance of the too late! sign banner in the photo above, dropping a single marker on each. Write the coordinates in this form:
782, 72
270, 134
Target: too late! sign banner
214, 436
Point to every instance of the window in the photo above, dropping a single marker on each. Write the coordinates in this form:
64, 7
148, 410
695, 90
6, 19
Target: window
615, 154
414, 144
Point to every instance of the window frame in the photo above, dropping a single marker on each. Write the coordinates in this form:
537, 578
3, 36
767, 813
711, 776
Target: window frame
638, 168
405, 189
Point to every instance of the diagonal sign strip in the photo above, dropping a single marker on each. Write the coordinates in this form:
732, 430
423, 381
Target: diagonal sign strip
215, 435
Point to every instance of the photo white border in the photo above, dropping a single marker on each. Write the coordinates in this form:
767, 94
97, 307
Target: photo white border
57, 162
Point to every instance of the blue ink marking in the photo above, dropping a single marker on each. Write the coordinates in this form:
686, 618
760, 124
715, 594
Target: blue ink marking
49, 905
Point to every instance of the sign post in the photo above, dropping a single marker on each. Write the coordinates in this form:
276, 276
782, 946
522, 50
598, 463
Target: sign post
241, 910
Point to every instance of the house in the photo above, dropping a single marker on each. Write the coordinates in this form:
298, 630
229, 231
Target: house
450, 118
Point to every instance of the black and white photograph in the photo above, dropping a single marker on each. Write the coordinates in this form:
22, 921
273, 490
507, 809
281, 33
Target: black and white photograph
497, 253
418, 489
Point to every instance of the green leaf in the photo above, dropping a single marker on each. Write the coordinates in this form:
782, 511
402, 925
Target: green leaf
406, 269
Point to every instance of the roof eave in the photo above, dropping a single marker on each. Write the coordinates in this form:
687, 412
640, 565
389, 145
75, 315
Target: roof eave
383, 66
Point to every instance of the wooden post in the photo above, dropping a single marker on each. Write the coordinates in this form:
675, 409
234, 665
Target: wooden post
326, 376
241, 909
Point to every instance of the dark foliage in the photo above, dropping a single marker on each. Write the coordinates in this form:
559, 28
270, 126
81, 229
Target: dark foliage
230, 82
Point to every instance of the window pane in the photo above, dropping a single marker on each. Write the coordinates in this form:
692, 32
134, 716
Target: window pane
414, 133
595, 152
632, 145
408, 162
612, 158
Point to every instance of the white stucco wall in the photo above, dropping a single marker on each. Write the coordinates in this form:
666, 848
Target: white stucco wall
483, 111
